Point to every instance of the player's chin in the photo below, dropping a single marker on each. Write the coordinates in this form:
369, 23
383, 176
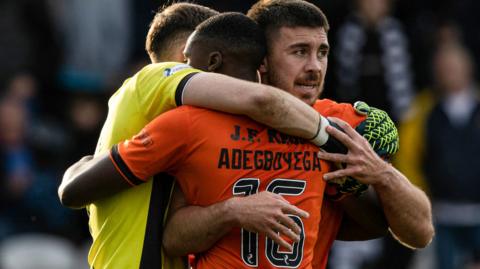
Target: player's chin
309, 98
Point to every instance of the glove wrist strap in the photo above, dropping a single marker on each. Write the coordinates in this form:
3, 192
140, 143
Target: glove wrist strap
322, 136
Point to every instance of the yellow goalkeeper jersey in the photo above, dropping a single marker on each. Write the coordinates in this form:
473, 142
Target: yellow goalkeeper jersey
127, 227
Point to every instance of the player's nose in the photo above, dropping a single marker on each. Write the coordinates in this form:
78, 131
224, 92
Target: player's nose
313, 64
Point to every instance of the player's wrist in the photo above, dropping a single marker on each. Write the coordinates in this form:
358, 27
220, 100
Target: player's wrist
384, 177
229, 212
321, 136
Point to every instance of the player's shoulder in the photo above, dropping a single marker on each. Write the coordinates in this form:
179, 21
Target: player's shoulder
152, 74
208, 116
344, 111
194, 110
332, 107
165, 70
202, 112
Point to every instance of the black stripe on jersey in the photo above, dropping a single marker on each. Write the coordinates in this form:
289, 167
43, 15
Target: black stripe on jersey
159, 202
123, 167
180, 87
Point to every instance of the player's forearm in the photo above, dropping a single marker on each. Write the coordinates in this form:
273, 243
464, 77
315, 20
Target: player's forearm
407, 209
194, 229
265, 104
89, 180
285, 113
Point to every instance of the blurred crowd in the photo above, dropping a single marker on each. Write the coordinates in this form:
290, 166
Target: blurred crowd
61, 60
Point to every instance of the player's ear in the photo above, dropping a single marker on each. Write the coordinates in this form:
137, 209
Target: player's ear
215, 61
263, 67
179, 54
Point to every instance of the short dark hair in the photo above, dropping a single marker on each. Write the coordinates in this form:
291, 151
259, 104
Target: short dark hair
172, 23
234, 34
271, 15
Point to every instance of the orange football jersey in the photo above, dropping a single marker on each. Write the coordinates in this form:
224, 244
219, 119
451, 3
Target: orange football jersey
215, 156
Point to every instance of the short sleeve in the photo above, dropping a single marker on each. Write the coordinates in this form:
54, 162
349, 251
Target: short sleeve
159, 147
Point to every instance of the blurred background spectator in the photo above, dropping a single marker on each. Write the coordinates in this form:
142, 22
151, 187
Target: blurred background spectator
28, 42
61, 61
96, 39
372, 58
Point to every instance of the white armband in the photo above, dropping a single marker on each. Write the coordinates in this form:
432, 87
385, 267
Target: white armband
322, 136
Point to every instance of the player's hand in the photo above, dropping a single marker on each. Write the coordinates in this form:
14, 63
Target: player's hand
268, 214
83, 160
361, 162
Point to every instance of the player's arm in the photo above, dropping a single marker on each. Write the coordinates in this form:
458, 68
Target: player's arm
406, 208
265, 104
90, 179
160, 87
194, 229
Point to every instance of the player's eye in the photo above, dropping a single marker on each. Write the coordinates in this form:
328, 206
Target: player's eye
323, 53
300, 52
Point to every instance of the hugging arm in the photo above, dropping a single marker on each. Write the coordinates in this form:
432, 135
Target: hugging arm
193, 229
90, 179
265, 104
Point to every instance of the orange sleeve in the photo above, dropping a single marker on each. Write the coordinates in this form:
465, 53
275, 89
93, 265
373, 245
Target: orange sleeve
159, 147
343, 111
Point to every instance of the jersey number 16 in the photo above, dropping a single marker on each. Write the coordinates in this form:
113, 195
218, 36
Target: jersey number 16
249, 247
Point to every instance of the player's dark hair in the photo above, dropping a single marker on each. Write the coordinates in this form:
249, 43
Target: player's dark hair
271, 15
236, 35
173, 23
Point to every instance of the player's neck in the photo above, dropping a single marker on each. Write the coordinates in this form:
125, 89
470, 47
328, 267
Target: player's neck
241, 73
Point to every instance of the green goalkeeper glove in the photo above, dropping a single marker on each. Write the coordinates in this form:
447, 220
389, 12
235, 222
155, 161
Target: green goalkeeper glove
379, 130
382, 134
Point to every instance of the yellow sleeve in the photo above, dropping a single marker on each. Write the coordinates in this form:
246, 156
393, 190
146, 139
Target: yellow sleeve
159, 87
